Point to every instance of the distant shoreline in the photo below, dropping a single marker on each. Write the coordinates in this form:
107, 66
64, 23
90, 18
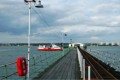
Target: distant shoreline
26, 44
37, 44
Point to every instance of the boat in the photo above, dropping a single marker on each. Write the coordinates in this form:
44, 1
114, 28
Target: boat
51, 47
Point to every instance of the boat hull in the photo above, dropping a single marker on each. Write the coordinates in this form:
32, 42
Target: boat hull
49, 49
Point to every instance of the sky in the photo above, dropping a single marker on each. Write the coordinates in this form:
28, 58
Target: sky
85, 21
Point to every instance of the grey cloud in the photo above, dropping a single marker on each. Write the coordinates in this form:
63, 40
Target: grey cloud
60, 14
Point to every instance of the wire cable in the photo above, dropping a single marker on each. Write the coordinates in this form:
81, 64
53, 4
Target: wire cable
41, 17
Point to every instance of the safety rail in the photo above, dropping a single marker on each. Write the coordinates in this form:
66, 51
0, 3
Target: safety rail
109, 58
99, 70
38, 63
82, 66
6, 75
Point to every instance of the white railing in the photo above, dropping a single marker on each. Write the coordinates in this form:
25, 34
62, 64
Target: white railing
82, 66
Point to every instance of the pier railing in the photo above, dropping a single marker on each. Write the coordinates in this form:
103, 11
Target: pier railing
38, 63
84, 69
4, 69
107, 57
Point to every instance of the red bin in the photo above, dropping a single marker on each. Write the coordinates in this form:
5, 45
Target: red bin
21, 66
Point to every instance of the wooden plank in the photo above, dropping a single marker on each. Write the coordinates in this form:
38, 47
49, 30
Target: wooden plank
50, 73
61, 72
66, 68
58, 72
69, 75
73, 67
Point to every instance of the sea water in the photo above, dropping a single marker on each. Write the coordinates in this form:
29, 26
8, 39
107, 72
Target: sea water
108, 54
38, 62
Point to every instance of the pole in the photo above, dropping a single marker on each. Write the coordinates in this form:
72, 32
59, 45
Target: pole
81, 64
89, 72
83, 69
62, 45
29, 25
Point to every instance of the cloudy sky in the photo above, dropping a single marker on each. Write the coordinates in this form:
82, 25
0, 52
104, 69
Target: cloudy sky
83, 21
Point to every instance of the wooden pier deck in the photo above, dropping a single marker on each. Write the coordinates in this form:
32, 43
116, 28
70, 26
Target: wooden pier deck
66, 69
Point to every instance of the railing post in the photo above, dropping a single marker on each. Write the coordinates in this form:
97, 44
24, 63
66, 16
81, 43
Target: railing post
89, 73
80, 59
83, 69
6, 71
24, 77
34, 60
34, 63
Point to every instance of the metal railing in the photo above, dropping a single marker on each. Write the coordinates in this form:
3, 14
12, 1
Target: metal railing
38, 63
107, 57
4, 71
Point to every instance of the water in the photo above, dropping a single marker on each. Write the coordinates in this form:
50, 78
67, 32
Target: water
38, 61
11, 53
108, 54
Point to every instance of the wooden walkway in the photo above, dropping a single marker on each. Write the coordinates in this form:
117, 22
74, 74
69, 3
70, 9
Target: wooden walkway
66, 69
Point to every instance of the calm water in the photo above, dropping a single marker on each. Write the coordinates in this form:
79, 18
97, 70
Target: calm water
42, 60
10, 53
108, 54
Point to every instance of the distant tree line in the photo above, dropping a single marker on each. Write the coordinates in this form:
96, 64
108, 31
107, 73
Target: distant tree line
102, 44
32, 44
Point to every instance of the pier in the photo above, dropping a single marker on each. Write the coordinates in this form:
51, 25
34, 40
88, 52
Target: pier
69, 67
66, 68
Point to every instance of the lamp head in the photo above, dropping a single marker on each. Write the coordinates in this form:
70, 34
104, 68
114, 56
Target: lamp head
38, 4
29, 1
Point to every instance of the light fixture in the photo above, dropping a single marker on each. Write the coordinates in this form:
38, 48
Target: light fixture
38, 4
29, 1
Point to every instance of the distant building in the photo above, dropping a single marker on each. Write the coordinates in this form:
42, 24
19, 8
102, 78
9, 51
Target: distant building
101, 43
71, 45
107, 43
112, 43
118, 43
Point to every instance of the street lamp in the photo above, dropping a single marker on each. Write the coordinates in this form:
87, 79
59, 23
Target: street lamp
63, 34
38, 5
27, 1
71, 41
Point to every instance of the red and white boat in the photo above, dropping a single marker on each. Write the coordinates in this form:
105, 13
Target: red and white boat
52, 47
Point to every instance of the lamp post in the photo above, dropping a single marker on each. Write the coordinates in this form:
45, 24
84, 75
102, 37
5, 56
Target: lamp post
63, 34
38, 5
71, 42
